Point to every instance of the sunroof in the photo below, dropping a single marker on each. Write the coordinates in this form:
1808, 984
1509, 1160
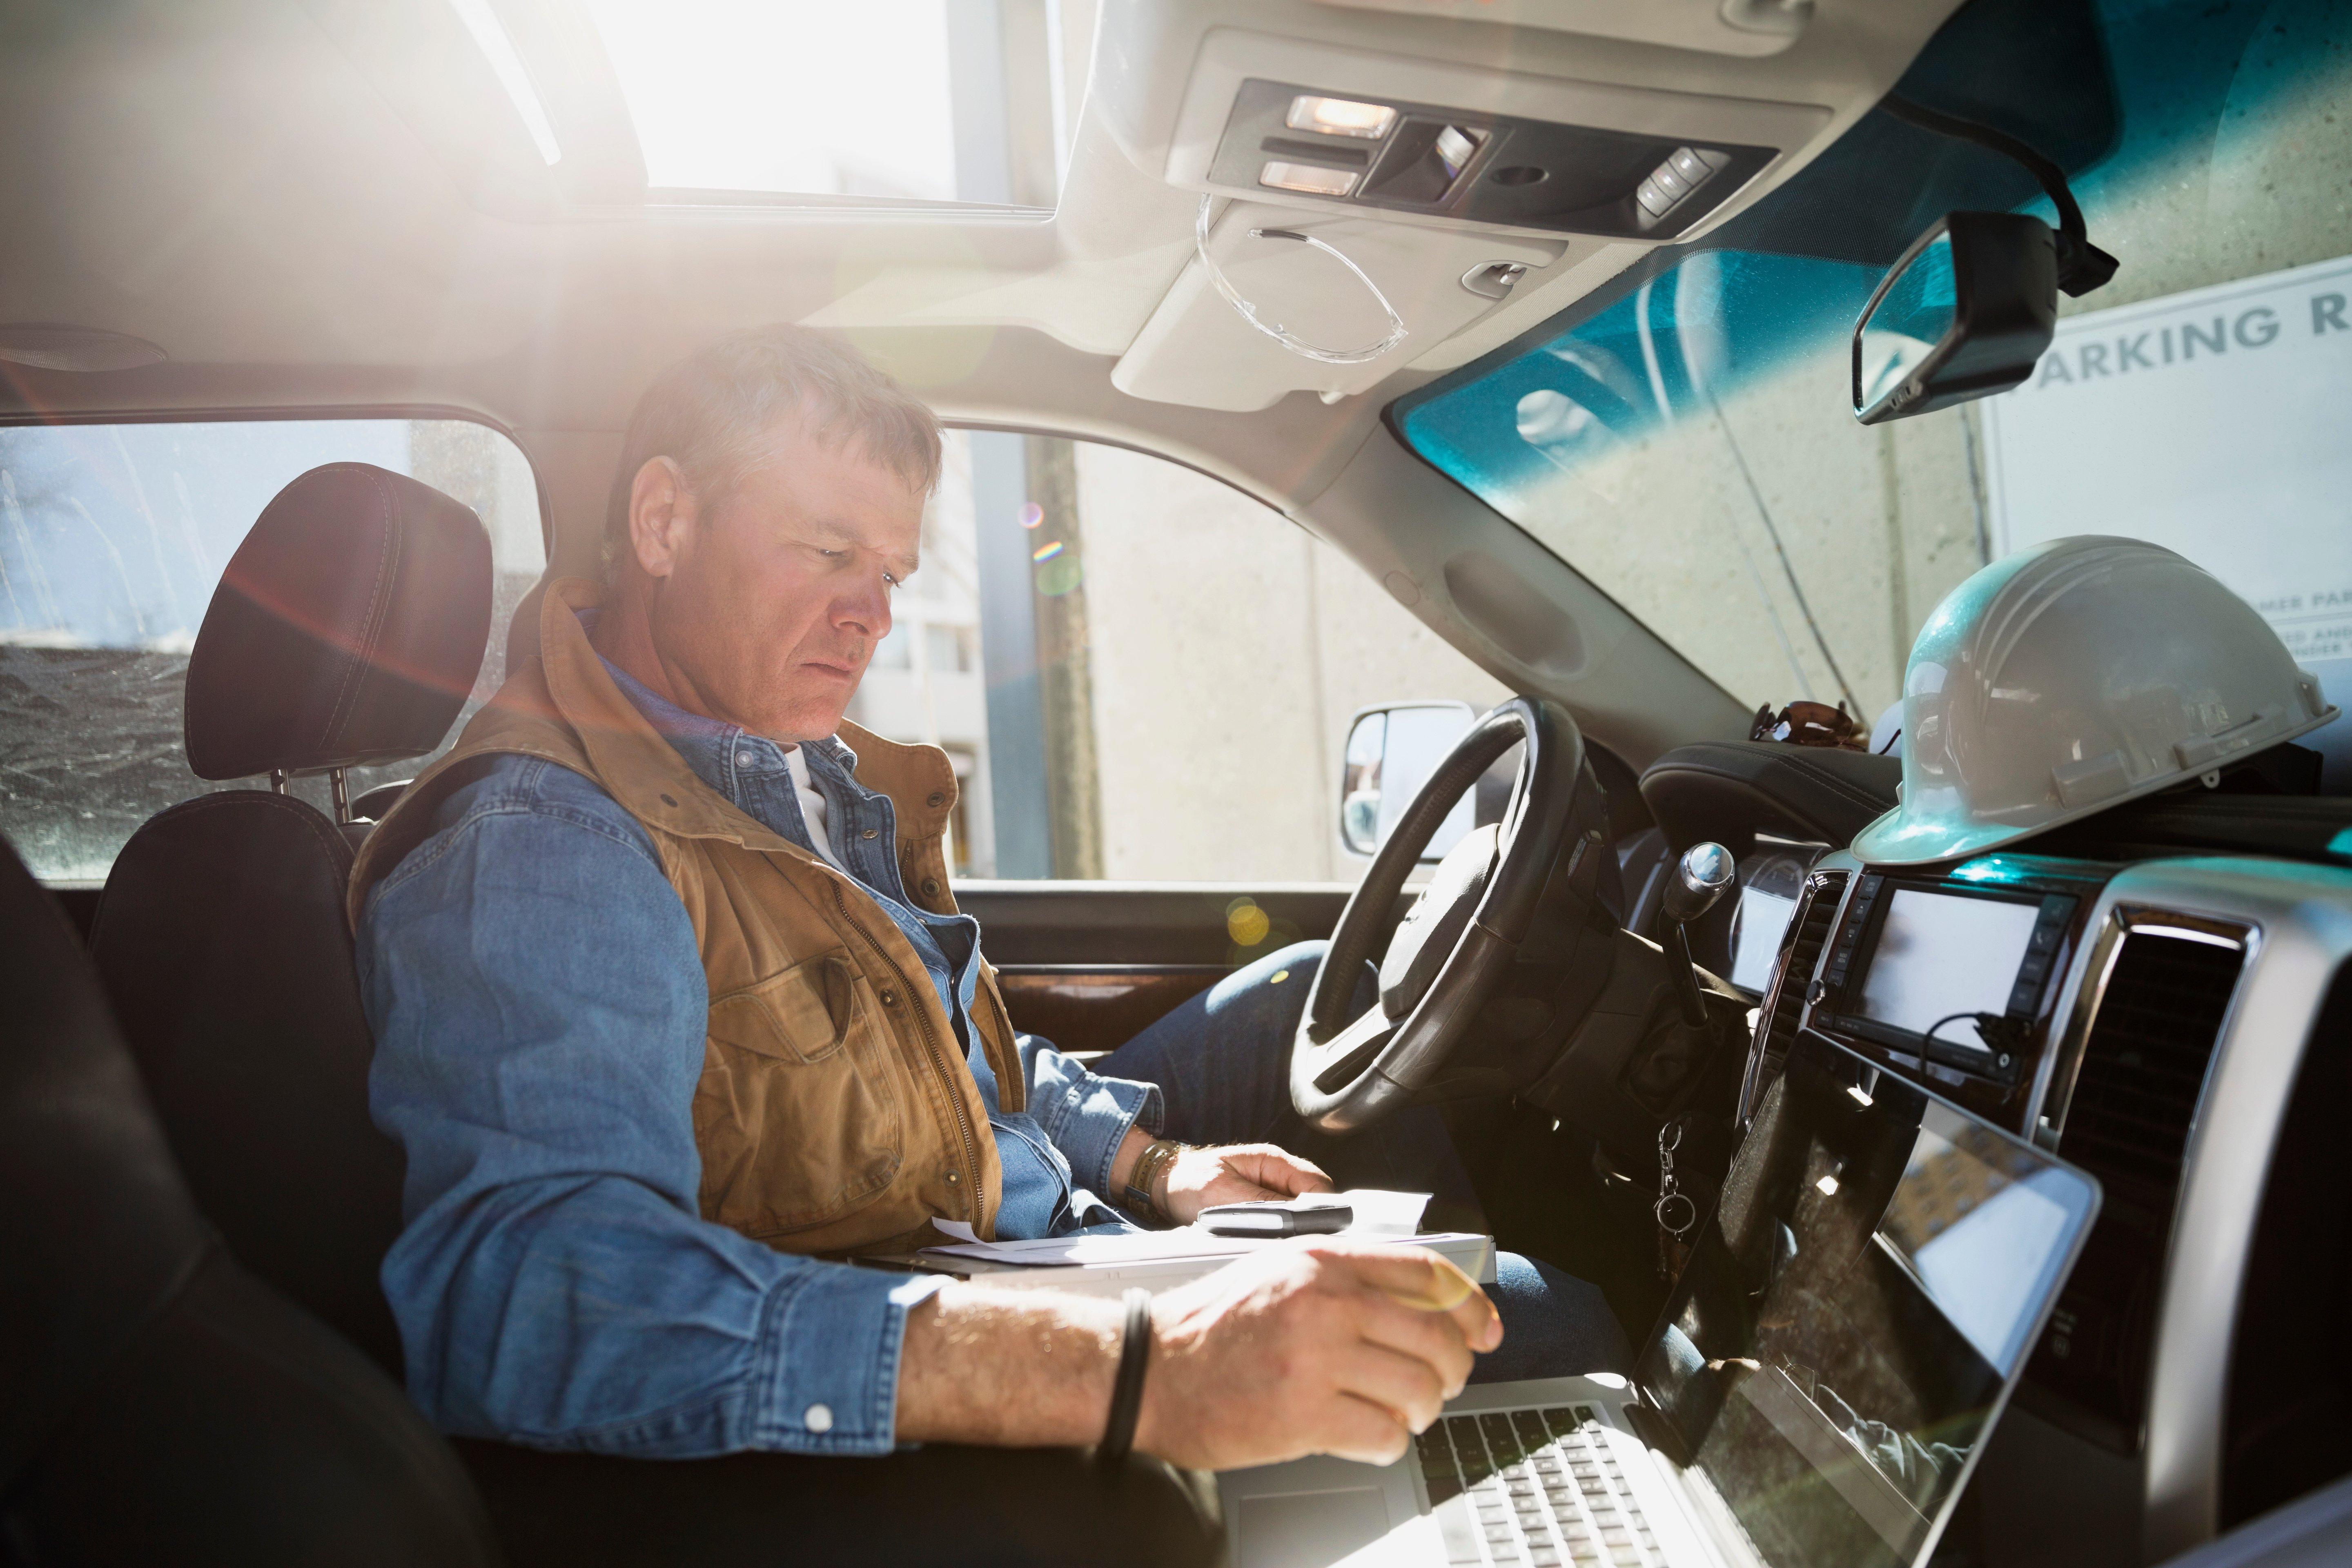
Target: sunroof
813, 97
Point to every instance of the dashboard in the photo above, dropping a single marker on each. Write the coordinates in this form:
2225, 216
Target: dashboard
2146, 1019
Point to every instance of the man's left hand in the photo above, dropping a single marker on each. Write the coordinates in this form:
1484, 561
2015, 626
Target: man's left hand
1235, 1173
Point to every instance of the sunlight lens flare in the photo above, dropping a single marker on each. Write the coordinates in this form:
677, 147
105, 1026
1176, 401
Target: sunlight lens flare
490, 37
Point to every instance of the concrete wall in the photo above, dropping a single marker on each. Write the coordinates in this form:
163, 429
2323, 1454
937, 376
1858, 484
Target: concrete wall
1230, 650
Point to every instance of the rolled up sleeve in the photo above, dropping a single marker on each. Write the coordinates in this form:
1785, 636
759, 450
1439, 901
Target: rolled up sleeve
539, 1011
1086, 1114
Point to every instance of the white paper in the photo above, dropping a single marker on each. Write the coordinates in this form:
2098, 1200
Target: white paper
1380, 1212
1380, 1216
1150, 1247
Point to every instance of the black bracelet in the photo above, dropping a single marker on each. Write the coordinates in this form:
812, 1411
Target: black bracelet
1127, 1387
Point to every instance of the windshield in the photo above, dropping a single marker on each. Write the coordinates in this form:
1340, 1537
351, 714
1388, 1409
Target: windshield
1690, 446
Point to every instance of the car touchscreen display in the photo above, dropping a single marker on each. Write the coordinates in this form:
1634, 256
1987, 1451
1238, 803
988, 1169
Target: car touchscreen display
1944, 953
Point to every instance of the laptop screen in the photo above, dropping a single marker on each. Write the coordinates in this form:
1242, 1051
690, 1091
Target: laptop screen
1853, 1318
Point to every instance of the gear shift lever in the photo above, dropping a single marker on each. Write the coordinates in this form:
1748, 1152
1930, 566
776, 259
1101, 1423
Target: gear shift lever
1698, 881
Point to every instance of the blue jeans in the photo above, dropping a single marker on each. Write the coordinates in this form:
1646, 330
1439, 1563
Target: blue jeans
1221, 1061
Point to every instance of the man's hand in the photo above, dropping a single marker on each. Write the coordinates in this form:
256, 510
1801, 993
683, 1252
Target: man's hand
1226, 1173
1235, 1174
1309, 1348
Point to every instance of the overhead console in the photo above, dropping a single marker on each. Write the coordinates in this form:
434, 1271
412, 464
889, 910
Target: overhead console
1310, 123
1412, 157
1461, 189
1482, 165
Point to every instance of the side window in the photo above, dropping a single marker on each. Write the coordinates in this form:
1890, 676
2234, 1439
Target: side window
1140, 673
112, 537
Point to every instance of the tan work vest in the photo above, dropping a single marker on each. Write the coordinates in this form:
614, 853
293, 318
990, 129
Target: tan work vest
834, 1112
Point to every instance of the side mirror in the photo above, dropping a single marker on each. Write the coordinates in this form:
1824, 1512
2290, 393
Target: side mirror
1965, 313
1392, 751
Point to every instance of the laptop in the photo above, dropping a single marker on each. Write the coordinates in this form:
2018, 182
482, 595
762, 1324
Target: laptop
1819, 1384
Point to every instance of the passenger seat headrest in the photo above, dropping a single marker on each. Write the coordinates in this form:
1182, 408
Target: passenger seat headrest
347, 630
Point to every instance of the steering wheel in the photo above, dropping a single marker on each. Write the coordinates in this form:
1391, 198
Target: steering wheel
1451, 952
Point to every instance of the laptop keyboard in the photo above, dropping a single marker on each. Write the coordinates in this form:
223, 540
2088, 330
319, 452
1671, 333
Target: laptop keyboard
1532, 1488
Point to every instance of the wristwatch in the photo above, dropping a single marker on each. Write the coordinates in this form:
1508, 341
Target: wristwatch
1149, 1166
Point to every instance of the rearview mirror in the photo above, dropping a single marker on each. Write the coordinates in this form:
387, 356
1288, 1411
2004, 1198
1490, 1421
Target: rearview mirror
1965, 313
1392, 752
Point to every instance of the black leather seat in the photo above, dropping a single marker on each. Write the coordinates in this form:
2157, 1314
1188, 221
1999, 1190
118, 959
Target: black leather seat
347, 630
157, 1402
1732, 790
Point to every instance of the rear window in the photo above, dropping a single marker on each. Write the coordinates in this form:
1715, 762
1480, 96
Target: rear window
112, 537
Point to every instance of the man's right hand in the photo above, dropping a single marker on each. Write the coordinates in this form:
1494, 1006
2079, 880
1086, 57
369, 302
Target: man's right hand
1308, 1349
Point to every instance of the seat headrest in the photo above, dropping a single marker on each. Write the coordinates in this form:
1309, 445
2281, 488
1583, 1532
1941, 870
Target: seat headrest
347, 630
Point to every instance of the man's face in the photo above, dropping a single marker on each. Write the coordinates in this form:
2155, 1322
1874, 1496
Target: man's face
770, 609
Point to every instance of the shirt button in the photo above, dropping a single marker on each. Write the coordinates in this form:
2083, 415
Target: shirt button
817, 1419
869, 833
743, 759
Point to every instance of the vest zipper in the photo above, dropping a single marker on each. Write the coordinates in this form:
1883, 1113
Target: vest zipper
931, 1051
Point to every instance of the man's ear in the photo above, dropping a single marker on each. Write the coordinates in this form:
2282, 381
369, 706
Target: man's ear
661, 516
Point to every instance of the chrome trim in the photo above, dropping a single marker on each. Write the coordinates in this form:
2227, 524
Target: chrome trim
1751, 1086
2061, 1063
2186, 928
1841, 861
2079, 997
2298, 921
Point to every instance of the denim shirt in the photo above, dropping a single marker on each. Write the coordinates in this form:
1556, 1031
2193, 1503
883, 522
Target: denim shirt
1090, 1114
540, 1011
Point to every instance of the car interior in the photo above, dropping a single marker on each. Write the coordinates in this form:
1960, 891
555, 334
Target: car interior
1538, 327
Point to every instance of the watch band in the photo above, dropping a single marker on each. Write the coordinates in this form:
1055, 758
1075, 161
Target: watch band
1126, 1385
1149, 1165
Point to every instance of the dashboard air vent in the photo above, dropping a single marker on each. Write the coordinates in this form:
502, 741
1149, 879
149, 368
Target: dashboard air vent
1808, 932
2143, 1064
2134, 1098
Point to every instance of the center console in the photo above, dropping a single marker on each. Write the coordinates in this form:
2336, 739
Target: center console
1952, 978
2146, 1020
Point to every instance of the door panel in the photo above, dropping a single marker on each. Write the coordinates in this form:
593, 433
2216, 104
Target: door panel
1089, 965
1088, 1009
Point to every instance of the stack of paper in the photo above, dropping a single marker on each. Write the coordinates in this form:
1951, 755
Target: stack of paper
1158, 1260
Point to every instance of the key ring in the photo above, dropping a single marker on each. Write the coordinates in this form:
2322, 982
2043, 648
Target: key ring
1689, 1212
1670, 1193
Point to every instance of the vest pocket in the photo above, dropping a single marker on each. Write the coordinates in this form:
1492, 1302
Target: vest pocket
797, 1113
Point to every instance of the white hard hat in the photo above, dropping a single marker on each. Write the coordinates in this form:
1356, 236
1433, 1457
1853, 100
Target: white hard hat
2071, 676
